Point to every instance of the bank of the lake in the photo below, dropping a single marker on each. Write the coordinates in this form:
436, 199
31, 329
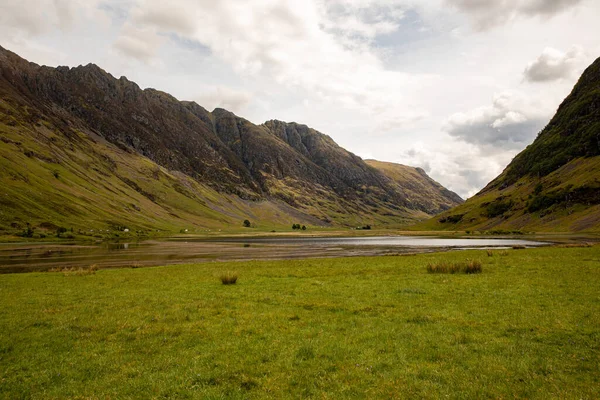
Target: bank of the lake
363, 327
32, 257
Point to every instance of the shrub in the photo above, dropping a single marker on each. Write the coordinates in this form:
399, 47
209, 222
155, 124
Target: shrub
452, 219
247, 223
303, 227
498, 207
28, 232
490, 253
228, 278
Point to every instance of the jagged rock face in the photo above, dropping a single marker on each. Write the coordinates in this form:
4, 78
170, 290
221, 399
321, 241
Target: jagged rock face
348, 168
220, 149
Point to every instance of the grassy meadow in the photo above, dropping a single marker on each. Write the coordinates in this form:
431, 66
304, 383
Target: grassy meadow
527, 326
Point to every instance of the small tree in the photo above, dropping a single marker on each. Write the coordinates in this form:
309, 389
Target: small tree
247, 223
303, 227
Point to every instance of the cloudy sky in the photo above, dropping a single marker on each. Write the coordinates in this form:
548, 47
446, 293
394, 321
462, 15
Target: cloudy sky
457, 87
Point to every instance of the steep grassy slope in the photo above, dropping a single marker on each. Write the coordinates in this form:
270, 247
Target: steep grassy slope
82, 149
421, 191
552, 185
83, 182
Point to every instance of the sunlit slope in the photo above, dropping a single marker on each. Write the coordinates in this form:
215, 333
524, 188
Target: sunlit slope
421, 191
552, 185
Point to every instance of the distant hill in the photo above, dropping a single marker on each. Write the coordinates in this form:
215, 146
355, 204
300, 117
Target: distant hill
552, 185
418, 187
80, 148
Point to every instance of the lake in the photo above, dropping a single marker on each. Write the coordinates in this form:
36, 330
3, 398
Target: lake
29, 257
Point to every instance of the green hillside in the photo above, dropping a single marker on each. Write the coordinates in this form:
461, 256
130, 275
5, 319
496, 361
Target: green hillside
552, 185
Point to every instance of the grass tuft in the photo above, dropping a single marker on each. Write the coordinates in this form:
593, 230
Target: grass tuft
74, 271
445, 267
472, 267
229, 277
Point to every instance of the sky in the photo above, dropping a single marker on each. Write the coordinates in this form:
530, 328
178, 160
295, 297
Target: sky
456, 87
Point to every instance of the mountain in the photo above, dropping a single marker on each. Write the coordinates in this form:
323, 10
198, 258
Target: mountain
83, 149
552, 185
418, 187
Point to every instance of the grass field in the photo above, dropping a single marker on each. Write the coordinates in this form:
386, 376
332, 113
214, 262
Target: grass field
528, 326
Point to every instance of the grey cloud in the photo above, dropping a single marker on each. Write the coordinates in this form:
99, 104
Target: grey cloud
474, 179
508, 124
554, 65
486, 14
484, 133
548, 7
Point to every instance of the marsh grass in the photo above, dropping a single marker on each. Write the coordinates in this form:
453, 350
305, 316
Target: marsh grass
574, 245
228, 277
76, 271
448, 267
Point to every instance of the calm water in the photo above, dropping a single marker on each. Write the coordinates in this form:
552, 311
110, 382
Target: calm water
40, 257
400, 241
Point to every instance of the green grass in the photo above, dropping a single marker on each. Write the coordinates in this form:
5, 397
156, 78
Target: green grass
528, 326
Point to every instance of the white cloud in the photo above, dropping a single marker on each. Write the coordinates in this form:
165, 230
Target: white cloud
299, 45
139, 43
225, 97
36, 17
461, 167
553, 64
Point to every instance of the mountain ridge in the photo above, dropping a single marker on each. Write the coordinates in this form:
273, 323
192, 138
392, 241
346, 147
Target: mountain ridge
288, 164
